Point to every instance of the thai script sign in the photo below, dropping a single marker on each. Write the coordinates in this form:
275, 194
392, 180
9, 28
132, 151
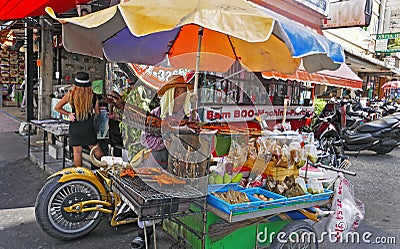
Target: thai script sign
387, 43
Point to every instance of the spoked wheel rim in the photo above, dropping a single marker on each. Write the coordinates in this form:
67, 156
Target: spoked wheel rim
296, 240
326, 144
67, 195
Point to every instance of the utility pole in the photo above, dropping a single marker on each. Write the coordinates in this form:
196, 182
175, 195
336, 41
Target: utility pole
29, 72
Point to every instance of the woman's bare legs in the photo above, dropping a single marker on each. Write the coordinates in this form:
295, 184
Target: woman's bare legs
77, 155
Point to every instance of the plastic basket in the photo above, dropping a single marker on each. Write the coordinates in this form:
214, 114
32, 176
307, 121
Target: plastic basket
298, 199
220, 187
228, 208
323, 196
278, 200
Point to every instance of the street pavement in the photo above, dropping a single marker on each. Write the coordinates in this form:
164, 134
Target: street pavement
375, 185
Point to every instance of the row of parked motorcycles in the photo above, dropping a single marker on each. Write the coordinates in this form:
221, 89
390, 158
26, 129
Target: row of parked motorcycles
344, 125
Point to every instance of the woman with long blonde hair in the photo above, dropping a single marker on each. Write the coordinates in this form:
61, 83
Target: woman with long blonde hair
84, 105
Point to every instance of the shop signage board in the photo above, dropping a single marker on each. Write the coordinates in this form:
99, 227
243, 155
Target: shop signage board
387, 43
355, 13
235, 113
320, 6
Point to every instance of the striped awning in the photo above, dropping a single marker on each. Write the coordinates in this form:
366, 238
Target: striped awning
343, 77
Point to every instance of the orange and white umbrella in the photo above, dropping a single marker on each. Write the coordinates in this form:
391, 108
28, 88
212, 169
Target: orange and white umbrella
191, 32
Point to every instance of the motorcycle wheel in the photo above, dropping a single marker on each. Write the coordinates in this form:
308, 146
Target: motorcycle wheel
383, 149
327, 144
50, 213
298, 234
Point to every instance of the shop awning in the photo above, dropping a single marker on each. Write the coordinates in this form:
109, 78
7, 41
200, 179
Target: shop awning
155, 76
343, 77
18, 9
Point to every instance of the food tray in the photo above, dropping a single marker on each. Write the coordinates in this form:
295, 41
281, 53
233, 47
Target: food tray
279, 200
149, 203
323, 196
216, 202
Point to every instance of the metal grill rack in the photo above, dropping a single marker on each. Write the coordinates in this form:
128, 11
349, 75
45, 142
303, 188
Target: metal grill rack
151, 204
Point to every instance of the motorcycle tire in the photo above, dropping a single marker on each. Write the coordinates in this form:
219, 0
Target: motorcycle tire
386, 147
50, 213
294, 236
327, 144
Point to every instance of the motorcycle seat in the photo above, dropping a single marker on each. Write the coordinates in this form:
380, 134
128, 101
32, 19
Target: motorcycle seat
376, 125
354, 137
368, 109
395, 115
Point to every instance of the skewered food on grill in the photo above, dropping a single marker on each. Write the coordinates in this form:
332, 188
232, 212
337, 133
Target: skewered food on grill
148, 171
165, 179
128, 172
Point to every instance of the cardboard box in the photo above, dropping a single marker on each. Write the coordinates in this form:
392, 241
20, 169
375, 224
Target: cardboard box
55, 151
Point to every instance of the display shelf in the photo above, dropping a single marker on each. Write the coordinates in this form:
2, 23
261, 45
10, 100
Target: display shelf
250, 215
53, 127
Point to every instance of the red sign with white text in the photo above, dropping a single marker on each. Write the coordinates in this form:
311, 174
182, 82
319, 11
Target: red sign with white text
248, 113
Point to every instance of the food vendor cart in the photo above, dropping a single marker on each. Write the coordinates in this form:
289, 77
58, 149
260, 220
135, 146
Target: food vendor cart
240, 225
199, 216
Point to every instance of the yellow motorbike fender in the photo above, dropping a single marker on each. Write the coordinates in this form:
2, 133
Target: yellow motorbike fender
81, 173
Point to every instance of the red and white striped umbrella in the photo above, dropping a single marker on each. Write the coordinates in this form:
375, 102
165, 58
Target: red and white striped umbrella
391, 85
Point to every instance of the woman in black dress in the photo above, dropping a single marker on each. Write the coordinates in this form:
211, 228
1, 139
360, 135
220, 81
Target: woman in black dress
84, 106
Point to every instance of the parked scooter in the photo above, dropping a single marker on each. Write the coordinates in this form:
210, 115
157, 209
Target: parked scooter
330, 151
385, 108
356, 114
380, 135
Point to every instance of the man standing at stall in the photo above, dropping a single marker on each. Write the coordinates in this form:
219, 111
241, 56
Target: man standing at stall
174, 107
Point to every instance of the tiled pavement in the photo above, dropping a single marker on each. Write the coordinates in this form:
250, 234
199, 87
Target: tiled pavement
9, 121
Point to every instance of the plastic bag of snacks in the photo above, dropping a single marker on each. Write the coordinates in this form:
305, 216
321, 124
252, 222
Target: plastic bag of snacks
295, 154
311, 152
348, 210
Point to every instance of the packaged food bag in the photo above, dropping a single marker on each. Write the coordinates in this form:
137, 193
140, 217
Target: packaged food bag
295, 154
348, 211
311, 152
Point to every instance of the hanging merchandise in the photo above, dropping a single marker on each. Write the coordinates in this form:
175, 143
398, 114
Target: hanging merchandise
12, 67
7, 38
348, 210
